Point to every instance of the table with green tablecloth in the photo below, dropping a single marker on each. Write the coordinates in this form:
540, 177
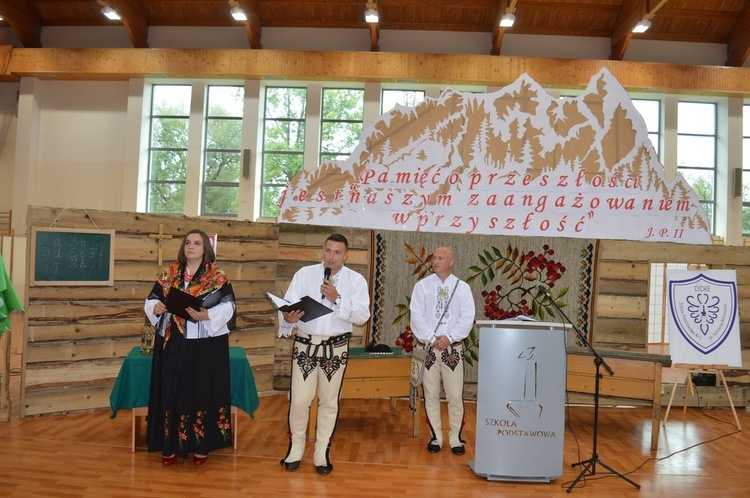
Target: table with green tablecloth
132, 387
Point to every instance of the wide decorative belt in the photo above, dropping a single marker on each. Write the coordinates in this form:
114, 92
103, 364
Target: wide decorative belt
425, 345
335, 340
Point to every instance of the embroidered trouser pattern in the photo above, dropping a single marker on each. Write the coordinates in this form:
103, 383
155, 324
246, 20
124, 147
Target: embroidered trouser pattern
446, 366
315, 367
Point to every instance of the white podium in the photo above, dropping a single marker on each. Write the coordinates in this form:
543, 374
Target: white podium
520, 401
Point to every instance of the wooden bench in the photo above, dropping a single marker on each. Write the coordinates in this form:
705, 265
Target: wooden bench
638, 376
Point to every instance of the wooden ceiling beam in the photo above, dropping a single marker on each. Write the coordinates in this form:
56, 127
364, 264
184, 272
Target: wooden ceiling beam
134, 20
374, 37
503, 7
23, 19
622, 32
253, 25
242, 64
738, 44
374, 27
631, 13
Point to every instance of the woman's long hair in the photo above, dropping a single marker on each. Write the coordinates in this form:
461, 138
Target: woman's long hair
209, 256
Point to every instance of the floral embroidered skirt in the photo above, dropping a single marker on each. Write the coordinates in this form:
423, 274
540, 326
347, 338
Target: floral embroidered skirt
190, 396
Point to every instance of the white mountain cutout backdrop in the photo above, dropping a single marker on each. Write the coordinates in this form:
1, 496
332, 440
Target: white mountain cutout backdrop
512, 162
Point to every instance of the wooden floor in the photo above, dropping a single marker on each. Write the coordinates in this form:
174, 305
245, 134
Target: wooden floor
374, 455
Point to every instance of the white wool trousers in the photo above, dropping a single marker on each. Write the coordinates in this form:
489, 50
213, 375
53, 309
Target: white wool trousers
316, 368
447, 367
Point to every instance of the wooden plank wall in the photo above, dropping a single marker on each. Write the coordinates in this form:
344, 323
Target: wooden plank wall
621, 292
75, 337
301, 245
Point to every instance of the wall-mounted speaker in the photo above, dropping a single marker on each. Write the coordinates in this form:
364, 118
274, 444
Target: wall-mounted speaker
246, 160
737, 182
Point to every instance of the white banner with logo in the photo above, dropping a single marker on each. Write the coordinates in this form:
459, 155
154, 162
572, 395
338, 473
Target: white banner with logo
704, 317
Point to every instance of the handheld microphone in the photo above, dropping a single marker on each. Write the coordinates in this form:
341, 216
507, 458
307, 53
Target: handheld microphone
542, 288
326, 276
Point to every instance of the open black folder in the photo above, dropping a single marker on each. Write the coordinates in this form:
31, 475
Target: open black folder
178, 300
312, 308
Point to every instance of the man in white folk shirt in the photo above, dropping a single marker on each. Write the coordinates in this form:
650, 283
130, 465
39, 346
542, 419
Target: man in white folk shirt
442, 315
321, 348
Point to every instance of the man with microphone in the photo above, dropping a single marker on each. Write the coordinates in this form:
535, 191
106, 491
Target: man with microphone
321, 348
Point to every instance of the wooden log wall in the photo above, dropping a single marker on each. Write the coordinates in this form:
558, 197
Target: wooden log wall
75, 337
622, 286
302, 245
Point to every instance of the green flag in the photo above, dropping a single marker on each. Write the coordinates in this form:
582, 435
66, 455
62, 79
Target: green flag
8, 299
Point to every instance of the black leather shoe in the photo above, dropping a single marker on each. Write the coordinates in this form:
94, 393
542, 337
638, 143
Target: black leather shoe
290, 466
324, 470
458, 450
433, 447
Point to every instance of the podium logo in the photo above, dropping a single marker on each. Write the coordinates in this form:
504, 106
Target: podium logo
527, 403
704, 310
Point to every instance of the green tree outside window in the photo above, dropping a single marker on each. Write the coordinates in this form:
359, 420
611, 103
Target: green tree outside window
283, 144
170, 110
222, 150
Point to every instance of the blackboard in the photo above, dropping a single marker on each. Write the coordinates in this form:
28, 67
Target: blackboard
72, 256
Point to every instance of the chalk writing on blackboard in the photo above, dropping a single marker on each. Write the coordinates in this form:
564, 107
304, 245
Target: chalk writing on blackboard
72, 256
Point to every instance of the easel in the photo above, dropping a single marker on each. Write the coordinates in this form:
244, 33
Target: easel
718, 370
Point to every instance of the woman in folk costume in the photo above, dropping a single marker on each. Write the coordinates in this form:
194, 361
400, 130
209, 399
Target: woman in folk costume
190, 398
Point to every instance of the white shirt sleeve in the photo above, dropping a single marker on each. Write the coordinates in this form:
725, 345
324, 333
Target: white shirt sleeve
463, 303
148, 307
219, 316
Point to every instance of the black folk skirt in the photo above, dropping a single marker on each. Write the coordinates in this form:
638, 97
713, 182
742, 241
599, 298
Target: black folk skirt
190, 397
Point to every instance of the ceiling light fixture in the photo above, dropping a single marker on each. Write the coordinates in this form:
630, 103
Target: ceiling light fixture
508, 20
238, 14
642, 26
371, 16
110, 13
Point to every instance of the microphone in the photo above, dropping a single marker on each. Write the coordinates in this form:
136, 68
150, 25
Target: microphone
326, 276
542, 288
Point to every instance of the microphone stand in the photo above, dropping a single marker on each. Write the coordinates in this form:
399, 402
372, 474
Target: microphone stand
589, 466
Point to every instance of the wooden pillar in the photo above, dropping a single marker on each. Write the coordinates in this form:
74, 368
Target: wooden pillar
4, 376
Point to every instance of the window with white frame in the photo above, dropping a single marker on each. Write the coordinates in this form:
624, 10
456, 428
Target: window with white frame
341, 122
650, 110
696, 151
409, 98
746, 171
222, 150
168, 144
283, 143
